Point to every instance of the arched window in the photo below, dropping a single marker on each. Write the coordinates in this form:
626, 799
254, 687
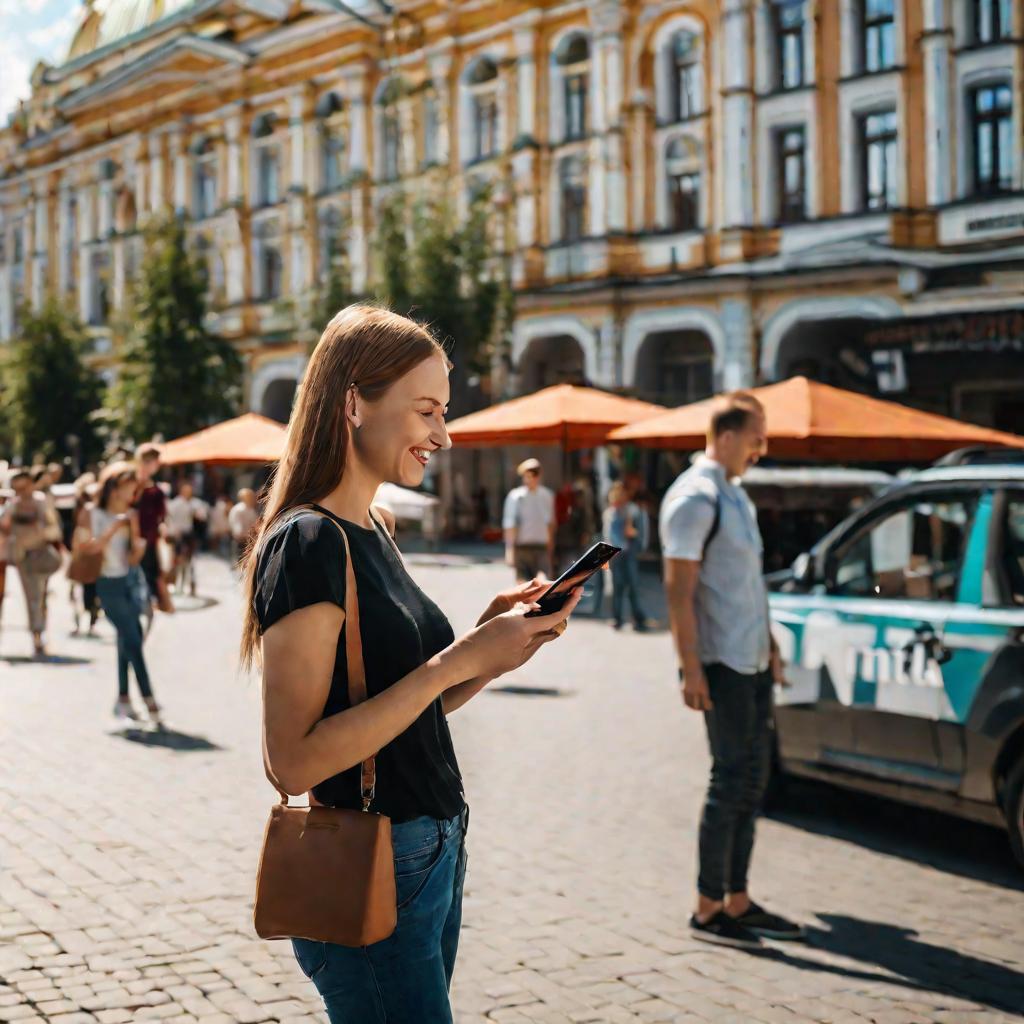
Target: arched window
71, 246
686, 93
267, 162
204, 179
573, 60
431, 127
572, 188
482, 82
331, 117
682, 177
213, 265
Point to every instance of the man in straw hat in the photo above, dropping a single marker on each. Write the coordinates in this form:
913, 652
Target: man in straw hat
529, 524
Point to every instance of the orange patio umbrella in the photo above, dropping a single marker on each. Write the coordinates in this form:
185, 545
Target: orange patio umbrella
248, 438
809, 420
565, 414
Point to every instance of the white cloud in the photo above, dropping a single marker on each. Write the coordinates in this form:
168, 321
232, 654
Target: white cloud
52, 41
15, 69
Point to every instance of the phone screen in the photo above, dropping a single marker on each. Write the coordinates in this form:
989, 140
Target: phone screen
578, 573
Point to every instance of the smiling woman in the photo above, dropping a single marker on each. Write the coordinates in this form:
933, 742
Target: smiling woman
359, 721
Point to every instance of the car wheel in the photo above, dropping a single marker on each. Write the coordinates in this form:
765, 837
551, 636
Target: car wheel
1013, 808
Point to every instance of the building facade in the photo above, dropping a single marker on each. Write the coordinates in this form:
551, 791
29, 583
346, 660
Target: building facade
689, 196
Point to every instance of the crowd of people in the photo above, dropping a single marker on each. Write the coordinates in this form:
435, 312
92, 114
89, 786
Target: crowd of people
125, 540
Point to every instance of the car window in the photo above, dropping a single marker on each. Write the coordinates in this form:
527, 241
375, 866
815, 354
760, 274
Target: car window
913, 551
1013, 548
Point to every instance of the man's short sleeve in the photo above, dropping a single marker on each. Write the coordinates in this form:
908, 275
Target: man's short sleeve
551, 505
685, 525
510, 513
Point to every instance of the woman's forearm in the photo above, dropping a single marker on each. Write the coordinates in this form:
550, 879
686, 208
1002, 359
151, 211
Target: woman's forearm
349, 737
454, 698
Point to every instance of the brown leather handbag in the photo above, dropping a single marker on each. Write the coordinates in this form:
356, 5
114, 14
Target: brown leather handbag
328, 873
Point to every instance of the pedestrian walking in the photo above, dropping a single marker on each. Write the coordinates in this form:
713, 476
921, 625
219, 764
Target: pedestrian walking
219, 527
84, 600
718, 609
626, 525
33, 534
242, 520
529, 523
184, 512
115, 531
370, 409
151, 509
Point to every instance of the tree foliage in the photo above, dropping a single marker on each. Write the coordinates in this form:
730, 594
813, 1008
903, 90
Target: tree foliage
49, 392
439, 272
176, 377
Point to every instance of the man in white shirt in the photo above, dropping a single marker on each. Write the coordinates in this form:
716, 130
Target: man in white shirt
529, 524
183, 512
242, 519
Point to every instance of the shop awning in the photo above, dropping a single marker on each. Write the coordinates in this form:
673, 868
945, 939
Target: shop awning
565, 414
248, 438
809, 420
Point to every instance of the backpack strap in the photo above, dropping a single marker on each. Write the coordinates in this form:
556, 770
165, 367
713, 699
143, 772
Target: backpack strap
715, 524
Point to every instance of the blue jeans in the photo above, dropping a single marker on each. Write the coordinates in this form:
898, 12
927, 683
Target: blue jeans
405, 978
739, 727
626, 583
121, 608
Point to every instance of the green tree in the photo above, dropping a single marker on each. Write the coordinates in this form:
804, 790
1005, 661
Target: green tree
335, 291
49, 391
175, 377
444, 277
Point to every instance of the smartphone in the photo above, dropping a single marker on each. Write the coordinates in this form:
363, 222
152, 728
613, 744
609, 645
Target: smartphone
576, 575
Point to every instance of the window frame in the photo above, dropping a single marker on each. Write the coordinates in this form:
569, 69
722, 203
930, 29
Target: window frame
578, 207
780, 33
685, 78
1002, 32
969, 494
890, 137
785, 210
995, 186
875, 26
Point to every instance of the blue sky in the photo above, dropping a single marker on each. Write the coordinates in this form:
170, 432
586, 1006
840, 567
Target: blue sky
31, 30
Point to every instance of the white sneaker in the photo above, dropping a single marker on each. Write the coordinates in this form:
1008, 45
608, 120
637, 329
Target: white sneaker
123, 711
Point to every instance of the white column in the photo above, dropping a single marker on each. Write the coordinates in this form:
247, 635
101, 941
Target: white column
526, 207
440, 69
40, 248
849, 38
610, 55
355, 97
179, 164
407, 136
936, 41
737, 115
156, 173
296, 140
736, 370
105, 218
526, 85
233, 133
86, 215
63, 236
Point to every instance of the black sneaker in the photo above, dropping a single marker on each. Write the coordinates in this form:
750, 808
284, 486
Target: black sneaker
769, 926
724, 930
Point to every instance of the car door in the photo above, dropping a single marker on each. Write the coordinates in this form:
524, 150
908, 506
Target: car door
892, 588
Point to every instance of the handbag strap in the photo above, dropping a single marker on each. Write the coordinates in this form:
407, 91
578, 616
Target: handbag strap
353, 656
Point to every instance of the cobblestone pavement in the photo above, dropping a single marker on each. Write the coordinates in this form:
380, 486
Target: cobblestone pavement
127, 858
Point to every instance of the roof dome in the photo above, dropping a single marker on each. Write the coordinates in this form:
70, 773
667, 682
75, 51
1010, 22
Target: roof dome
106, 21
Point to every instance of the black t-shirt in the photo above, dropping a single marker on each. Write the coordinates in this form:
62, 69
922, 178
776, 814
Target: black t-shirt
302, 563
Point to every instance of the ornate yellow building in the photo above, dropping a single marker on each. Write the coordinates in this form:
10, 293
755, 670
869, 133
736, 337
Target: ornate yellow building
690, 195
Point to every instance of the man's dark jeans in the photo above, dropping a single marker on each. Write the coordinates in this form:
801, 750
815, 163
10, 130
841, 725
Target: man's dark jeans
739, 728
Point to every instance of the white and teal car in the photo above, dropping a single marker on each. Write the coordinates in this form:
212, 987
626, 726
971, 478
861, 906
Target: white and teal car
903, 630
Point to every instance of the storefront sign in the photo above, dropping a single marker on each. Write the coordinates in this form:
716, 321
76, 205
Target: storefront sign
997, 331
1003, 223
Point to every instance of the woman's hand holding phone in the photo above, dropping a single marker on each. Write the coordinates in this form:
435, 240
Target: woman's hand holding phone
510, 639
522, 593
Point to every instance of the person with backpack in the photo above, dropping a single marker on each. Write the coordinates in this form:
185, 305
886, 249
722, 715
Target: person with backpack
718, 611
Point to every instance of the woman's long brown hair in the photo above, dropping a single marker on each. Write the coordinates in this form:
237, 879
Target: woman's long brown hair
362, 345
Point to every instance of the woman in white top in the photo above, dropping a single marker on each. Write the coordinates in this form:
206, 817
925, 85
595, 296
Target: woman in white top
115, 532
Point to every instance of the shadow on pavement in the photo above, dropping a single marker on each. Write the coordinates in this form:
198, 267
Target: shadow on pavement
52, 659
529, 691
946, 843
918, 965
168, 738
193, 603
